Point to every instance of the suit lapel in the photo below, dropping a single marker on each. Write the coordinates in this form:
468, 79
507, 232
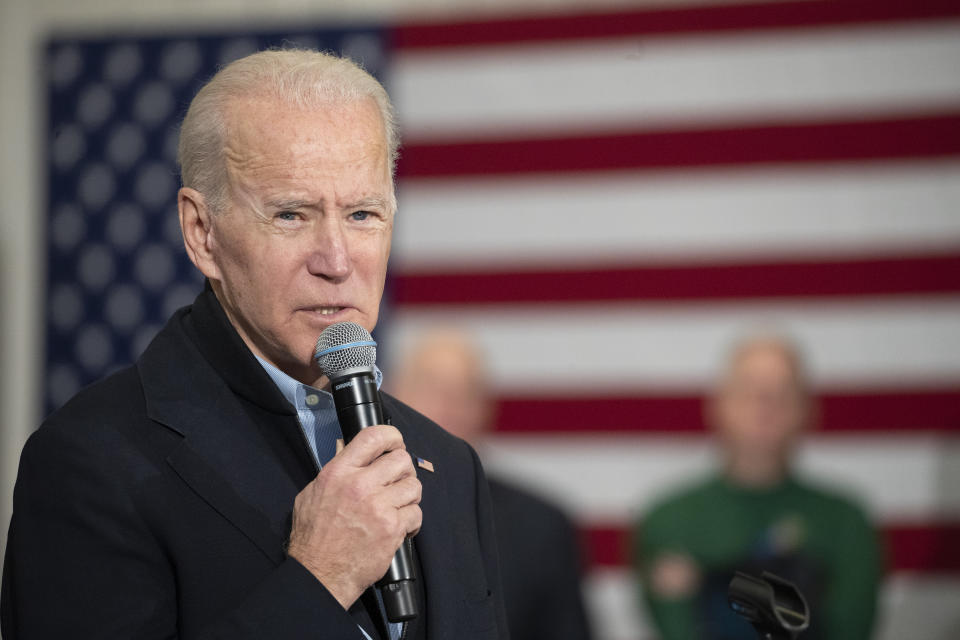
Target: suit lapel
434, 546
223, 457
434, 550
210, 486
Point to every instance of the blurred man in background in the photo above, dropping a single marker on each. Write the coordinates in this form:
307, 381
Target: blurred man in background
756, 515
442, 375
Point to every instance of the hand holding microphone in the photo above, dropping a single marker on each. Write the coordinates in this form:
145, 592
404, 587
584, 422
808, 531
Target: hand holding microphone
351, 524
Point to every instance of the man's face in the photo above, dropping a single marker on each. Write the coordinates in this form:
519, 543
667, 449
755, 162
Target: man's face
305, 238
443, 379
761, 408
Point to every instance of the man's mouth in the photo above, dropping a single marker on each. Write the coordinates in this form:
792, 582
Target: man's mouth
328, 311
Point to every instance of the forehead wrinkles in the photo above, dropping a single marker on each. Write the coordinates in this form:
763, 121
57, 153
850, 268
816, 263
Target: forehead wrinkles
268, 141
254, 143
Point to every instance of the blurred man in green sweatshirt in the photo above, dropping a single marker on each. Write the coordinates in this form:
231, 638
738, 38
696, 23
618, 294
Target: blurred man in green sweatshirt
756, 515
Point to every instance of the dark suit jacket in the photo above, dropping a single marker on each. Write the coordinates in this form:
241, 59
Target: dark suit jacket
156, 504
540, 560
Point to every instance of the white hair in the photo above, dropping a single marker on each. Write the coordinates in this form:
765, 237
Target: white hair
304, 78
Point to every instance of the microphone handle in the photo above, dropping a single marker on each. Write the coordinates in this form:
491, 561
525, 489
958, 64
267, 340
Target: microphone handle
357, 400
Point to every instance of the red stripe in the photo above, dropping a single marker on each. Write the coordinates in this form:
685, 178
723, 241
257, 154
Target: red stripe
917, 547
934, 410
928, 547
916, 137
713, 18
839, 277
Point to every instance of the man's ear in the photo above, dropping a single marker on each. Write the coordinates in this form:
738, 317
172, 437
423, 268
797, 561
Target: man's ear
196, 224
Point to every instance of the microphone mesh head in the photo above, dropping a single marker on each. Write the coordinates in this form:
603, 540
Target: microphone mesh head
342, 346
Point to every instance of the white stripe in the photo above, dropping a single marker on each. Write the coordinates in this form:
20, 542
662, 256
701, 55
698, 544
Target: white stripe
919, 606
911, 606
896, 342
612, 599
895, 477
445, 225
651, 81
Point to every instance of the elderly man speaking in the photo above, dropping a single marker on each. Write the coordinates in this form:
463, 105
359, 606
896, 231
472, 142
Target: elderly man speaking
199, 494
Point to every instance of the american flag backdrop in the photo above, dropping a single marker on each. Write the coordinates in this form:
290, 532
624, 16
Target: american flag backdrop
606, 200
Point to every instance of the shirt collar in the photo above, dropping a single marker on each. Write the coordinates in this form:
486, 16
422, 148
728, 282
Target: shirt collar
294, 390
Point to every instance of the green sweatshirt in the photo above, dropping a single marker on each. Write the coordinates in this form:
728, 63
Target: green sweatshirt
690, 544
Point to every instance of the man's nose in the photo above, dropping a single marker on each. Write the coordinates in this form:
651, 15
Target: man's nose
329, 255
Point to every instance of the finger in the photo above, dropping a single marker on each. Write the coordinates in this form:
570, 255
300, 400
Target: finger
370, 444
391, 467
403, 493
411, 517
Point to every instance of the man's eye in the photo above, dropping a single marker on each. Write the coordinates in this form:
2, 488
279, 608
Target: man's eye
287, 215
360, 216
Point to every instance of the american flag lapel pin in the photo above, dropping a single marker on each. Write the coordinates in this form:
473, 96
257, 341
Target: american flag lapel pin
426, 465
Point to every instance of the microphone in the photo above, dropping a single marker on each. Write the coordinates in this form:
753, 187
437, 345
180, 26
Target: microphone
346, 354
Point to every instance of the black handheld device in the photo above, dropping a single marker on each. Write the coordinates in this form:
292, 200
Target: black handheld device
774, 606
